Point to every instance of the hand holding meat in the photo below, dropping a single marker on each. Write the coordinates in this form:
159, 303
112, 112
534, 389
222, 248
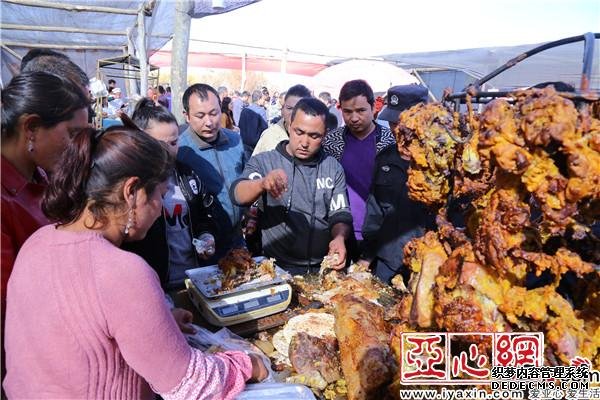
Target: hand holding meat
337, 247
275, 183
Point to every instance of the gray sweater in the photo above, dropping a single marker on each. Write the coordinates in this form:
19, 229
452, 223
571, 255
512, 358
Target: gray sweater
296, 227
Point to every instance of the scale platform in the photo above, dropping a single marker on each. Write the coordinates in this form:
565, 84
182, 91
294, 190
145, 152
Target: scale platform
250, 301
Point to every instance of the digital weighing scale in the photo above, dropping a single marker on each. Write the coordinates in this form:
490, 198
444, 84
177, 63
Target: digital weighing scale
252, 300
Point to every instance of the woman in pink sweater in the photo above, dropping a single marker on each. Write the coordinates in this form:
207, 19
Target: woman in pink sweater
86, 319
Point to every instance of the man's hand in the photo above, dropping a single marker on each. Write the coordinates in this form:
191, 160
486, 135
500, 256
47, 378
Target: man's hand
337, 246
275, 183
259, 371
184, 320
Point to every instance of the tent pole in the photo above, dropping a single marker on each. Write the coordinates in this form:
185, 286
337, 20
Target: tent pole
179, 56
61, 46
11, 52
283, 68
49, 4
243, 82
59, 29
141, 48
131, 84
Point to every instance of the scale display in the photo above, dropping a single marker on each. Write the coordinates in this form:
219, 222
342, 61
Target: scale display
235, 308
250, 305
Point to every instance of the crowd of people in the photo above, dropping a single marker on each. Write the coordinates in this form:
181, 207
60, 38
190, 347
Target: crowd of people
99, 225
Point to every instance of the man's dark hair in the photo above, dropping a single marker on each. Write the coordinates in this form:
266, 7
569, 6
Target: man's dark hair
34, 53
161, 89
44, 60
112, 81
298, 91
146, 110
332, 121
245, 93
168, 89
311, 106
201, 90
358, 87
326, 97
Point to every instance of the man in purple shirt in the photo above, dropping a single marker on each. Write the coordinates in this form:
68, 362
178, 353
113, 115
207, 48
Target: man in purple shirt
355, 146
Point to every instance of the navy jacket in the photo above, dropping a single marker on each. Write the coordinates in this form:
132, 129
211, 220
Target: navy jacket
392, 218
251, 127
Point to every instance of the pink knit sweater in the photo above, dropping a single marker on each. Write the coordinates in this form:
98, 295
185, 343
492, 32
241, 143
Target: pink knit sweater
87, 320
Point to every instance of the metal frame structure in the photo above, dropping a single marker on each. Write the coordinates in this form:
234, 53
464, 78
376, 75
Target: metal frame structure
124, 67
584, 94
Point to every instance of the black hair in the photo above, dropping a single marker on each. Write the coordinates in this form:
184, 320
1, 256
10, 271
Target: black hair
44, 60
111, 81
311, 106
225, 104
298, 91
34, 53
331, 121
146, 110
168, 89
53, 98
96, 164
201, 90
161, 89
358, 87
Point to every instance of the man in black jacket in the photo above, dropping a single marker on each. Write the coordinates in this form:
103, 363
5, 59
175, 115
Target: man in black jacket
303, 191
392, 218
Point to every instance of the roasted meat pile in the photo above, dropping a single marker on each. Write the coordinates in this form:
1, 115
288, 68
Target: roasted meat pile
527, 258
425, 133
310, 355
238, 267
363, 337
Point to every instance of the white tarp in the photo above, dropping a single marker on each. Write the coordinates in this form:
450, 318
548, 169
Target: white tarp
159, 28
562, 63
379, 74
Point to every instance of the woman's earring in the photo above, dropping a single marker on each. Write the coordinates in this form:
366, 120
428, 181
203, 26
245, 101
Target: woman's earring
130, 222
30, 146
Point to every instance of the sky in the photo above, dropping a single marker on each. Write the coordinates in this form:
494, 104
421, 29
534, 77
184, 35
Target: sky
359, 28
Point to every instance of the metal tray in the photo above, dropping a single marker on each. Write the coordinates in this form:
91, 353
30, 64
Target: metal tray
206, 279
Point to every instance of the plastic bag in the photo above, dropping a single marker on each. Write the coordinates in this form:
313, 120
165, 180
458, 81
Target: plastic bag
226, 340
205, 244
276, 391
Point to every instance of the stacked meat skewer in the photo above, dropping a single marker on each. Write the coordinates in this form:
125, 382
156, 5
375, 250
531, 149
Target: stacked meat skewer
525, 260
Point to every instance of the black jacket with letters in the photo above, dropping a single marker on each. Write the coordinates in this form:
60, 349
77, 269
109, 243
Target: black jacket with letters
154, 248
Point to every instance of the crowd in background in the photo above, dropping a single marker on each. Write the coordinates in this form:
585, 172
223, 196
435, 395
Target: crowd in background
101, 224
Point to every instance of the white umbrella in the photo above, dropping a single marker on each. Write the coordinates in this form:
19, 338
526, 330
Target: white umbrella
379, 74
